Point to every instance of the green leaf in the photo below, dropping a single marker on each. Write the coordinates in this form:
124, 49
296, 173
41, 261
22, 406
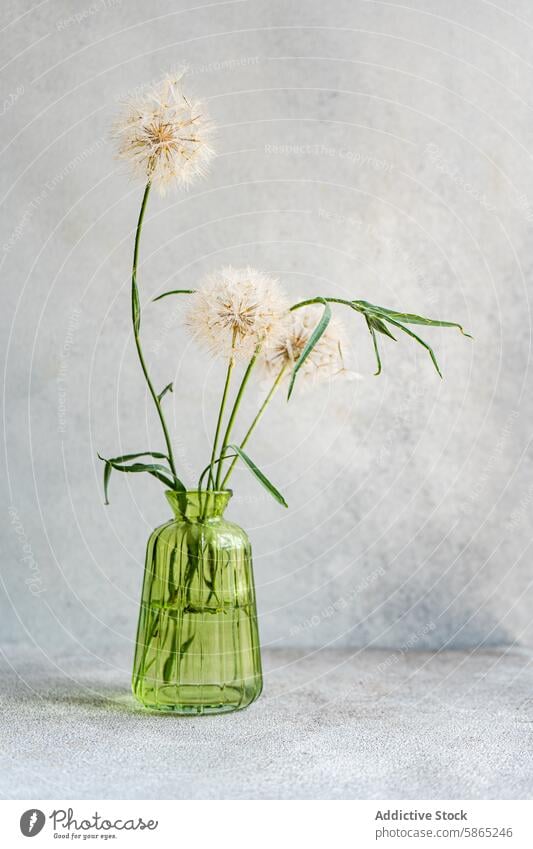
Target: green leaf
380, 326
167, 666
162, 473
156, 469
311, 342
168, 388
407, 317
124, 458
377, 318
107, 474
174, 653
205, 471
186, 645
373, 323
259, 475
141, 467
172, 590
175, 292
420, 341
375, 342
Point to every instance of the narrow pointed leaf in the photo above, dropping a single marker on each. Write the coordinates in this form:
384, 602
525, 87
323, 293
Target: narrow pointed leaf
168, 388
141, 467
380, 326
108, 468
186, 645
263, 480
205, 471
107, 475
420, 341
408, 318
125, 457
154, 469
311, 342
158, 471
167, 666
377, 319
175, 292
376, 348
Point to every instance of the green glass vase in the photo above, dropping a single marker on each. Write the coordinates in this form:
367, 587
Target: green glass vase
197, 648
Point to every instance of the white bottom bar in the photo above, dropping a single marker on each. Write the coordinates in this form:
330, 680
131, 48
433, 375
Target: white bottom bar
308, 824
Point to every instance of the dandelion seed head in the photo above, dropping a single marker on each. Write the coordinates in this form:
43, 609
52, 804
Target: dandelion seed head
235, 309
325, 360
165, 136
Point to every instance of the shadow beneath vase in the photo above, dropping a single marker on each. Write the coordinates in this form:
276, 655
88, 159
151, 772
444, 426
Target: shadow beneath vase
97, 698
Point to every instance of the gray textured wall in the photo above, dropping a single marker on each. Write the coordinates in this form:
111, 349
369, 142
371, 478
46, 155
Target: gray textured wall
379, 149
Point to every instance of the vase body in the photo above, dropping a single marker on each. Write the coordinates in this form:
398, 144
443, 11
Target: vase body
197, 649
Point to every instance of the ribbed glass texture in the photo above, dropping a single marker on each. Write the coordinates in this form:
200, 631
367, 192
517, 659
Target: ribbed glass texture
197, 648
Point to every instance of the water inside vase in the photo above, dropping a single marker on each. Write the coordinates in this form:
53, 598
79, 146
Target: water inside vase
199, 660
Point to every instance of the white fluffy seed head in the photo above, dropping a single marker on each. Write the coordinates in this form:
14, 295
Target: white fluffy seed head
325, 360
235, 309
165, 136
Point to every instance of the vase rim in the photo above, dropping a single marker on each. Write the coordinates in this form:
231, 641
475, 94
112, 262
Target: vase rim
190, 503
201, 491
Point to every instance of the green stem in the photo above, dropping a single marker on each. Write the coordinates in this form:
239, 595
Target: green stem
231, 420
255, 422
320, 300
136, 319
231, 364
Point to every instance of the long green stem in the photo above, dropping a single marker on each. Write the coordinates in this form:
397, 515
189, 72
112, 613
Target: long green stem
310, 301
231, 364
255, 422
236, 404
136, 318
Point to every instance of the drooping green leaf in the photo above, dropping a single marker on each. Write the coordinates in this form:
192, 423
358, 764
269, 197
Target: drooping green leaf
406, 317
168, 388
125, 457
175, 292
380, 326
162, 473
142, 467
122, 459
311, 342
375, 343
215, 462
373, 323
263, 480
107, 474
420, 342
377, 319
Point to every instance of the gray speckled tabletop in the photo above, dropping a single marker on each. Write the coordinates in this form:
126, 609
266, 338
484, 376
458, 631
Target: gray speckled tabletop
360, 724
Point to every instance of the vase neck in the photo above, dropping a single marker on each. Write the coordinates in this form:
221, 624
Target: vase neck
193, 505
